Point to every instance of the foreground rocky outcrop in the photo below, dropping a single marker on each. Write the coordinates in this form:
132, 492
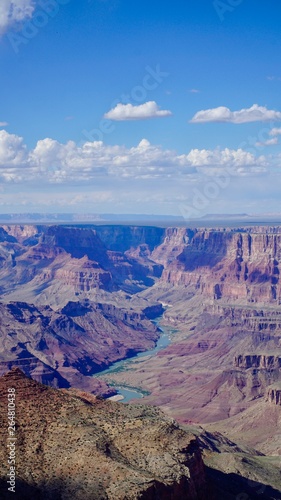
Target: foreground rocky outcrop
71, 445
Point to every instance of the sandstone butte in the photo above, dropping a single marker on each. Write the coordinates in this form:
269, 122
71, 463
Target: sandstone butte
75, 299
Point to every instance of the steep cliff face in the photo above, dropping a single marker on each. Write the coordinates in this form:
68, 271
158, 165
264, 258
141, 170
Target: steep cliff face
268, 362
223, 264
219, 264
260, 373
21, 233
274, 394
74, 259
123, 238
84, 275
80, 447
76, 242
264, 322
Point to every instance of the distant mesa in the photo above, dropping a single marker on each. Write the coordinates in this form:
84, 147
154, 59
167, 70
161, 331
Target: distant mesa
87, 218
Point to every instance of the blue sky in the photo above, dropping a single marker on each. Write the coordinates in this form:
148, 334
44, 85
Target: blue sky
140, 107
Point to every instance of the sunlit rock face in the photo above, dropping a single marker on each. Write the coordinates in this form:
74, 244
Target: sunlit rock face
224, 264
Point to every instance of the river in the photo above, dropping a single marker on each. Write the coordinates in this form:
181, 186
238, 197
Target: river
125, 394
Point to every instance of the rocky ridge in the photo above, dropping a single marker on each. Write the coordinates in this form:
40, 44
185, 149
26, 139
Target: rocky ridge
73, 445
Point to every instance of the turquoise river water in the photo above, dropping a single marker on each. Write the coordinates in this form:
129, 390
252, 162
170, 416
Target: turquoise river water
127, 392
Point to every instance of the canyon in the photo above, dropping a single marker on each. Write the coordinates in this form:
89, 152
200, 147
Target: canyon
75, 299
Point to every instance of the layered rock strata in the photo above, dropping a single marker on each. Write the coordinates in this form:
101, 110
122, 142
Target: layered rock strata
267, 362
65, 348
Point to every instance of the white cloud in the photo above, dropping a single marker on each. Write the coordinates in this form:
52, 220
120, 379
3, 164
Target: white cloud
211, 162
13, 152
275, 131
268, 142
3, 124
222, 114
141, 112
194, 91
52, 162
96, 177
13, 12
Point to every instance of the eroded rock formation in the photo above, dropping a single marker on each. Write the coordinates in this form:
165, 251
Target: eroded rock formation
224, 264
267, 362
274, 395
65, 348
71, 445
